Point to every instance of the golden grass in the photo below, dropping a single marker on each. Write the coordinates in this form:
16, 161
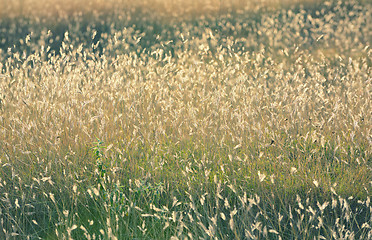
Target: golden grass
233, 126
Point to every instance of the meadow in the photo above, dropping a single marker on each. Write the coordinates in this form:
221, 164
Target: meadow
167, 119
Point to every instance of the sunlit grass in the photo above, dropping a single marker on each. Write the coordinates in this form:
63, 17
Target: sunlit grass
227, 123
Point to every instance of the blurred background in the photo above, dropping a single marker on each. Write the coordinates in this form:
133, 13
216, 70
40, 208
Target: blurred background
60, 8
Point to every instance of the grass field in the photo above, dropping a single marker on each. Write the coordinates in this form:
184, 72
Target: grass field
214, 119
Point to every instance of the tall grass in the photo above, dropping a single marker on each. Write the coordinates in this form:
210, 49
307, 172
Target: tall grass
242, 123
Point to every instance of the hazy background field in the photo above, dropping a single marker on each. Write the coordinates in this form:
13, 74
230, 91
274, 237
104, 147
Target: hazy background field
185, 119
51, 8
